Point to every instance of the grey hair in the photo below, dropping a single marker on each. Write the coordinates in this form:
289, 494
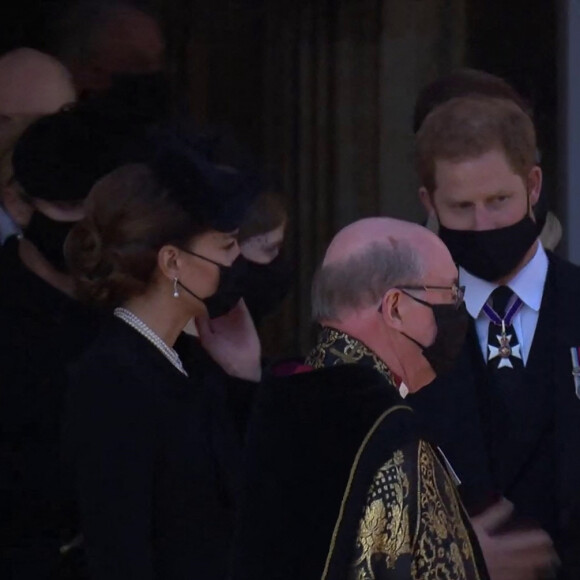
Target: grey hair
362, 279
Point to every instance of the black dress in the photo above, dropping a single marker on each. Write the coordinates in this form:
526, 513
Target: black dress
154, 453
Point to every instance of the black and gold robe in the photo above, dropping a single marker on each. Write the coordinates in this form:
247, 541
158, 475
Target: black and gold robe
339, 484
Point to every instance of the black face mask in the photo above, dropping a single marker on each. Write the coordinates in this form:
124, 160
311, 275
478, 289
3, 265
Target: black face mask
451, 322
49, 237
264, 286
229, 290
491, 254
145, 96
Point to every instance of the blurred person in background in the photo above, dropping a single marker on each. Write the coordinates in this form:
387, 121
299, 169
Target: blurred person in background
108, 42
44, 327
268, 272
32, 84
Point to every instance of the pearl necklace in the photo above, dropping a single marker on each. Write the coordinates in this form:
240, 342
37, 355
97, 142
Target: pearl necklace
136, 323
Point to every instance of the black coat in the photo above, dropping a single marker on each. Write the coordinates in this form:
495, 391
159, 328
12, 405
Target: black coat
315, 442
41, 331
154, 453
538, 464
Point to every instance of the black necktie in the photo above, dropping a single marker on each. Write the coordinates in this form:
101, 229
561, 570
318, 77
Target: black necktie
505, 384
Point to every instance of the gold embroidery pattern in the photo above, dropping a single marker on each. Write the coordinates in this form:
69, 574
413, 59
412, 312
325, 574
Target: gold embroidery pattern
353, 470
421, 537
334, 347
442, 545
384, 527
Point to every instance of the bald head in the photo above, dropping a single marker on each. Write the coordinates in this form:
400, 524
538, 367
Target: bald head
358, 236
367, 258
32, 84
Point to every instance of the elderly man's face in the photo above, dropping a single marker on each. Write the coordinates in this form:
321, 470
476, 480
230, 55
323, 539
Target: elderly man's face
439, 285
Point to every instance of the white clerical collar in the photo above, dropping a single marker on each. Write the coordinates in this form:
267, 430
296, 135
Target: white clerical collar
528, 284
403, 390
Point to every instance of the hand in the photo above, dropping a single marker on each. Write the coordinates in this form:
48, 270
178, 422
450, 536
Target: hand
526, 554
232, 341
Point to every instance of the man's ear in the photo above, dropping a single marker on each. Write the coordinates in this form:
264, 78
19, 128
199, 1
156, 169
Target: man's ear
426, 200
534, 185
391, 306
432, 222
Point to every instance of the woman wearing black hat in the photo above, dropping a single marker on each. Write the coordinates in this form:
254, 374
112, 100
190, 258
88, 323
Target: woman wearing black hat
151, 433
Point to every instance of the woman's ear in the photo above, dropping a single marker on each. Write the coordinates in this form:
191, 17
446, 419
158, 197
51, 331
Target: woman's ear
169, 261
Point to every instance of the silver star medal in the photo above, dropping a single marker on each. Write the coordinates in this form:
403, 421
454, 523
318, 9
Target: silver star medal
505, 350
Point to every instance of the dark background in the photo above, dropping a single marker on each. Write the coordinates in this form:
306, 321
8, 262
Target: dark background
516, 40
253, 67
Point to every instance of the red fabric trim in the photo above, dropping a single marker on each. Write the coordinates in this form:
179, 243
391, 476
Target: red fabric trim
302, 369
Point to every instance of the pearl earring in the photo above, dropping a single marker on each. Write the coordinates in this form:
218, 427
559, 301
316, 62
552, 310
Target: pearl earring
175, 289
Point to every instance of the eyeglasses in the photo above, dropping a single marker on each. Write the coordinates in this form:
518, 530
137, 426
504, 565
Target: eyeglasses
458, 292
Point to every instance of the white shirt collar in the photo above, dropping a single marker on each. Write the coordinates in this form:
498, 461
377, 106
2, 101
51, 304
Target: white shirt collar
7, 226
528, 284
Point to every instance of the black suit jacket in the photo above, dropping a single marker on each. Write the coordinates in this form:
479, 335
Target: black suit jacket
538, 464
41, 331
